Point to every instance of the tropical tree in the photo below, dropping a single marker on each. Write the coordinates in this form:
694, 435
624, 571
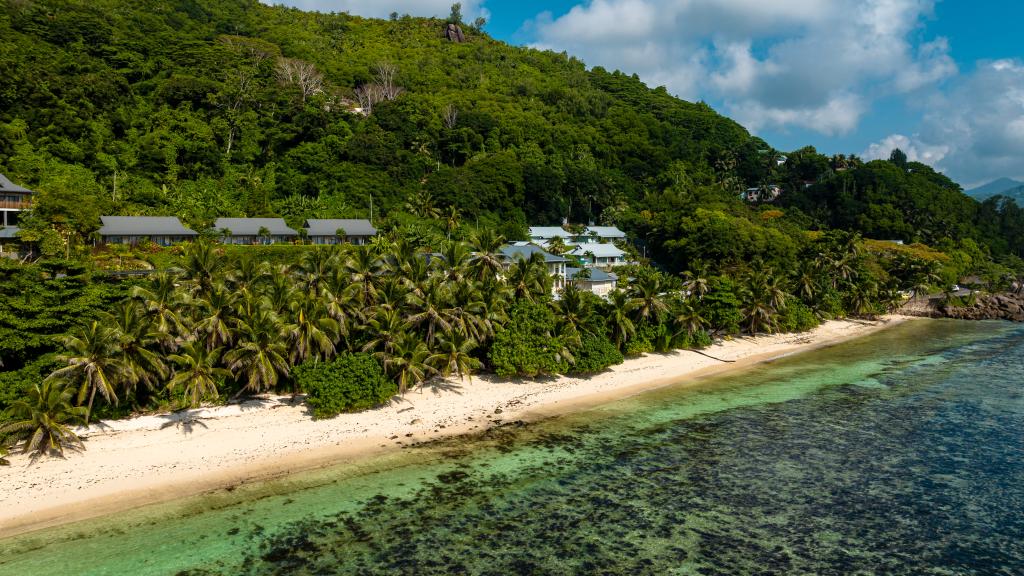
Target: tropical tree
312, 333
622, 326
259, 357
39, 423
94, 363
487, 261
453, 355
407, 363
646, 300
197, 372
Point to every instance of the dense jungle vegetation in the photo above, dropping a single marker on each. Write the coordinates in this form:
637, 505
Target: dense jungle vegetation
203, 108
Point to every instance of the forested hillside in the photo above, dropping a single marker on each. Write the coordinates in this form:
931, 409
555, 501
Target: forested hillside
210, 108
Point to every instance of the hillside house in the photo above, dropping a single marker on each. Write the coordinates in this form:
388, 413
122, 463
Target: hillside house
596, 255
597, 282
163, 230
13, 199
255, 230
333, 231
524, 250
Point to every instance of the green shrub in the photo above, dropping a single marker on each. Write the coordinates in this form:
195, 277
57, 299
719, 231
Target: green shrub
526, 345
797, 317
700, 340
349, 383
596, 352
720, 306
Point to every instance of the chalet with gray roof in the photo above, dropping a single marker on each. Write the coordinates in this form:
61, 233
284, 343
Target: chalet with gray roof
254, 230
595, 281
335, 230
163, 230
525, 250
9, 241
13, 199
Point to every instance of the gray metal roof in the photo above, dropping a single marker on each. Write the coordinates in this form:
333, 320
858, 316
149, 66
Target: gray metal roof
514, 252
251, 226
544, 232
598, 250
596, 275
143, 226
605, 231
9, 232
329, 227
7, 186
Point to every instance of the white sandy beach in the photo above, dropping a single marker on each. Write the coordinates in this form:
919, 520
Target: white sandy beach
129, 463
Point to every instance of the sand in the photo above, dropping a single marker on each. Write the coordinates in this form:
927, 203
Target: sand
129, 463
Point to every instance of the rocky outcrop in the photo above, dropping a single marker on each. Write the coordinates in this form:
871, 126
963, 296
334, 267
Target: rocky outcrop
454, 33
994, 307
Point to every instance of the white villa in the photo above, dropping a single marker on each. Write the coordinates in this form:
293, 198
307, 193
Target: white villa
598, 282
594, 245
524, 250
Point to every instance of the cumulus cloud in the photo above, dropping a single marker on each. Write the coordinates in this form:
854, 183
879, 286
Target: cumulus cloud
815, 64
974, 131
915, 149
382, 9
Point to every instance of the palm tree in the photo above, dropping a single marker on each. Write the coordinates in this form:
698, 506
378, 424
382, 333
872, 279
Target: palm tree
312, 333
806, 281
259, 356
202, 266
429, 310
38, 424
94, 363
387, 329
451, 222
618, 318
528, 277
574, 308
762, 299
487, 262
197, 373
213, 316
137, 341
695, 282
646, 302
362, 267
407, 362
163, 302
453, 355
688, 318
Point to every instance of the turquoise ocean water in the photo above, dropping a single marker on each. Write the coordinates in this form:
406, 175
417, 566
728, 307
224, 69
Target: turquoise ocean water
901, 453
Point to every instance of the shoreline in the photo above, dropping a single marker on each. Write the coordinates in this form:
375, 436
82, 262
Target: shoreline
158, 458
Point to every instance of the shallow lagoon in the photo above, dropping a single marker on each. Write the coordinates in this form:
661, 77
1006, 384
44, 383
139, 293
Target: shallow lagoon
900, 453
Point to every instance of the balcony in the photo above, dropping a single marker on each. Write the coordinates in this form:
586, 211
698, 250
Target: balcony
15, 204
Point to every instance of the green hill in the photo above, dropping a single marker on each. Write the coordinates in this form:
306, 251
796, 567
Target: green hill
188, 103
203, 108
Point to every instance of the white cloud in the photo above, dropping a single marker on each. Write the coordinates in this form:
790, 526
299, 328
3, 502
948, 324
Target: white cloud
382, 9
816, 64
915, 149
975, 131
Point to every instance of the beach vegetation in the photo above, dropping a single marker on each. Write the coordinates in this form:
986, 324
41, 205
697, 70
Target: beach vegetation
349, 383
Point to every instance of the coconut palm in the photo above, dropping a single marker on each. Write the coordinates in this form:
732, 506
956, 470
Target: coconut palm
197, 372
312, 333
646, 300
619, 318
387, 328
688, 319
163, 302
695, 282
805, 281
407, 362
259, 357
528, 277
94, 363
202, 266
38, 423
137, 342
574, 308
429, 311
453, 355
363, 266
213, 315
487, 262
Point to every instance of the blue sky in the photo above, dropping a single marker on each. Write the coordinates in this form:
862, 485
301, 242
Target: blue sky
941, 79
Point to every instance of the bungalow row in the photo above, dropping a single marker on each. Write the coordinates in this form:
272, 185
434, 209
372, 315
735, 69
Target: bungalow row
167, 230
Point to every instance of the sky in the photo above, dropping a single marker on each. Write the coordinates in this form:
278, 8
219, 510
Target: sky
941, 79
